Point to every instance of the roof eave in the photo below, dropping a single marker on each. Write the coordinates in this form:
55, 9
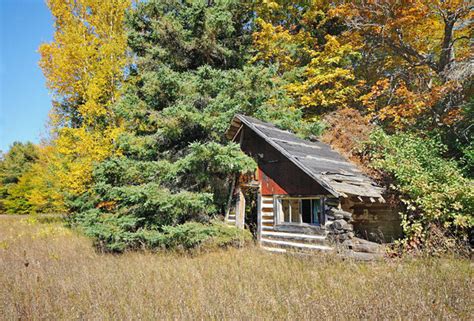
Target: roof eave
233, 129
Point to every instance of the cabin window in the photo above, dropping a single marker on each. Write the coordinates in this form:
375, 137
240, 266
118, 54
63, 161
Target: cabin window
299, 210
290, 211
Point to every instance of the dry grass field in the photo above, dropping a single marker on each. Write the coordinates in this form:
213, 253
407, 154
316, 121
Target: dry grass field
50, 272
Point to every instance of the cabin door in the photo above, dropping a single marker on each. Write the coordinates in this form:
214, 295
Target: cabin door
246, 208
251, 209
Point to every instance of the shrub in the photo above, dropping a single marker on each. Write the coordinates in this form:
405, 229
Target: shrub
114, 233
192, 235
346, 131
13, 166
432, 188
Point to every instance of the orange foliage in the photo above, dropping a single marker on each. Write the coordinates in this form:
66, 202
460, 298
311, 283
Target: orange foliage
419, 53
346, 131
107, 205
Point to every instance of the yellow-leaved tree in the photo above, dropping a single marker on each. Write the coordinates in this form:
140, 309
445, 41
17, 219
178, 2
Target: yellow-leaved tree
83, 67
302, 40
42, 186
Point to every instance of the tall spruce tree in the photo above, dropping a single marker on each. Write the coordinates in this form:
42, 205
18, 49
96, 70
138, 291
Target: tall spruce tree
188, 78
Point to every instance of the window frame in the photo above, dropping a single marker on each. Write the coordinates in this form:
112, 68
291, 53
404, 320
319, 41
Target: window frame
280, 215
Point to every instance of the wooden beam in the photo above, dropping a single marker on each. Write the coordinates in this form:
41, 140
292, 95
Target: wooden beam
240, 212
229, 200
237, 133
259, 217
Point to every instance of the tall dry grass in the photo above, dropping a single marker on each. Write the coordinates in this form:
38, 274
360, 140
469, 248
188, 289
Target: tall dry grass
49, 272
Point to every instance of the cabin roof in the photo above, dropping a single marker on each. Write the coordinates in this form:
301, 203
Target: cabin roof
318, 160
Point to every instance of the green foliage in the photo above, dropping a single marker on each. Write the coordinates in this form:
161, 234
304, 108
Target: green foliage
190, 34
209, 162
433, 188
191, 235
465, 141
116, 233
185, 85
13, 165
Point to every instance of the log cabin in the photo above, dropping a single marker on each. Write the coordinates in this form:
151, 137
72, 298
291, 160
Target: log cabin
305, 196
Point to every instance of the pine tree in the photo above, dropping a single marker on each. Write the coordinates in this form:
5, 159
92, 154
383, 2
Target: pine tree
189, 77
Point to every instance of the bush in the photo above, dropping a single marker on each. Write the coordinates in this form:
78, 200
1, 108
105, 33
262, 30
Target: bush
346, 131
14, 189
192, 235
114, 233
432, 188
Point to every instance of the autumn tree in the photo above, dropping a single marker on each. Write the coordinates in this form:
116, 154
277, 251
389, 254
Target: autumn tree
416, 79
416, 58
301, 39
13, 165
45, 191
83, 68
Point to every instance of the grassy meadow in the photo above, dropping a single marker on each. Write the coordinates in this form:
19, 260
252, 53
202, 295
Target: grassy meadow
50, 272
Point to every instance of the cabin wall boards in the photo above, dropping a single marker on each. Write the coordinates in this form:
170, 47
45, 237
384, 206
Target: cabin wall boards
376, 221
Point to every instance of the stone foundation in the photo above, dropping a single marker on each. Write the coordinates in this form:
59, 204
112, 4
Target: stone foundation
339, 225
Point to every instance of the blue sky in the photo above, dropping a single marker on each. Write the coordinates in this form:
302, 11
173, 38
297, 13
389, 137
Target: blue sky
24, 99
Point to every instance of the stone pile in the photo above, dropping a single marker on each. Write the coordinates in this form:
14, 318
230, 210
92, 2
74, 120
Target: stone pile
341, 231
338, 225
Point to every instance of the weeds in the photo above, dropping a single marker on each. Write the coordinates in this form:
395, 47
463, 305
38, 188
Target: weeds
60, 276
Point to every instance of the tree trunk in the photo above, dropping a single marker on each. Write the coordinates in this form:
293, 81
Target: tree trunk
447, 52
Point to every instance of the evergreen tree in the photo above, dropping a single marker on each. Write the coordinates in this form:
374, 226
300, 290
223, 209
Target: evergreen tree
188, 79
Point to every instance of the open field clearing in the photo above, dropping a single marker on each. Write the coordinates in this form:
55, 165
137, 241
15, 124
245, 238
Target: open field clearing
50, 272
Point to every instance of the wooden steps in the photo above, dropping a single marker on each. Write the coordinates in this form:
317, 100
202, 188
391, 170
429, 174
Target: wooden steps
294, 245
293, 242
294, 237
230, 219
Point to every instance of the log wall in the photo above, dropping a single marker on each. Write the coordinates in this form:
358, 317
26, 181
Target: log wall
374, 221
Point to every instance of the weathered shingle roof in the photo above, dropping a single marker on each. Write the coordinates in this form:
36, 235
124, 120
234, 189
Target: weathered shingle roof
331, 170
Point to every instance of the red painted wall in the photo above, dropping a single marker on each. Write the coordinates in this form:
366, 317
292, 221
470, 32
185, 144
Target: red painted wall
269, 186
277, 174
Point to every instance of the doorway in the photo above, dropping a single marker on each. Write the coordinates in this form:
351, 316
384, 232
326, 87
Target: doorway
251, 209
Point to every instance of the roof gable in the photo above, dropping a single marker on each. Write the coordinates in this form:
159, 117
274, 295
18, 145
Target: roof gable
330, 169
